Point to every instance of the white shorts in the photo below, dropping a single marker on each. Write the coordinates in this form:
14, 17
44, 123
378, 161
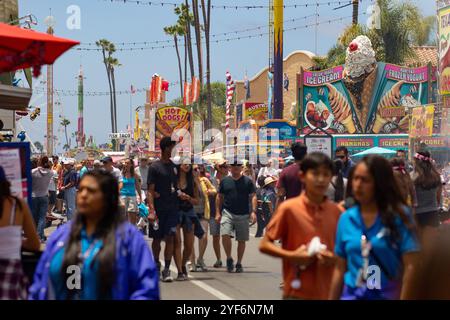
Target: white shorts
129, 203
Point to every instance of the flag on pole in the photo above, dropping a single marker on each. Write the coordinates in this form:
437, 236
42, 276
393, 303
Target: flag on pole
195, 89
187, 94
165, 85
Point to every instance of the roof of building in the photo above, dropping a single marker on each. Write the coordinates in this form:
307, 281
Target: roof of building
423, 55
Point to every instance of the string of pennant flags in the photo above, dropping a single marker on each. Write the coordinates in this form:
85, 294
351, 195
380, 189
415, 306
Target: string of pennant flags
145, 43
235, 7
224, 40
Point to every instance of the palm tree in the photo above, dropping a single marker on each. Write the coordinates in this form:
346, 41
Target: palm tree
108, 49
65, 122
207, 23
198, 40
113, 63
175, 31
185, 20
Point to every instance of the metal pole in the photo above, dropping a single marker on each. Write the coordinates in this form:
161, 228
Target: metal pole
50, 104
278, 60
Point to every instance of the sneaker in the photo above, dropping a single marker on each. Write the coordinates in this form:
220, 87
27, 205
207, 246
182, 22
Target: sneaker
184, 271
201, 266
230, 265
239, 268
181, 277
218, 264
166, 277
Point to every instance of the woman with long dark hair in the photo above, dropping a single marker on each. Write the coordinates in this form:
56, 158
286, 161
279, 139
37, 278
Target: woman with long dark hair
404, 181
15, 218
428, 185
375, 244
130, 191
188, 194
109, 254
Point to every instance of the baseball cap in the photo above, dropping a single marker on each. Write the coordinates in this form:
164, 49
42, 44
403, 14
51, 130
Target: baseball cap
107, 159
97, 162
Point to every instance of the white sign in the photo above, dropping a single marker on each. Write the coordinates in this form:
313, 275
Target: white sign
319, 144
122, 135
10, 160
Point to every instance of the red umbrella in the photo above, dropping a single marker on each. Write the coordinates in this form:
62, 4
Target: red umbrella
22, 48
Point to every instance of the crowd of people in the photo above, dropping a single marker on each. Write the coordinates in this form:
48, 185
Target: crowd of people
343, 229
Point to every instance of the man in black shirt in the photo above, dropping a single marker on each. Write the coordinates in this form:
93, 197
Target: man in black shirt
232, 211
163, 205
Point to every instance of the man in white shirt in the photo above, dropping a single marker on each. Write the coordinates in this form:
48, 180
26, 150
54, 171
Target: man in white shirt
142, 172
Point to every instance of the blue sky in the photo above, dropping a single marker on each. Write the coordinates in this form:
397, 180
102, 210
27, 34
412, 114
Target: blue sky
120, 22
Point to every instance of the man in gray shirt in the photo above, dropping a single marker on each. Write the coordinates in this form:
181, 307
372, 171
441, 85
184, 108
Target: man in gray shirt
142, 172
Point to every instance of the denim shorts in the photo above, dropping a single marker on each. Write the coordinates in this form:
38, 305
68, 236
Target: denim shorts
187, 219
129, 203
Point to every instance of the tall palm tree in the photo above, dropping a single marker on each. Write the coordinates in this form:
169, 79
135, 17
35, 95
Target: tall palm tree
185, 21
113, 63
175, 31
108, 49
206, 10
198, 40
64, 123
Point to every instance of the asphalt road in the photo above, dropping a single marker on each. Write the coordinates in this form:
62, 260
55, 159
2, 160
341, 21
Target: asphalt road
260, 280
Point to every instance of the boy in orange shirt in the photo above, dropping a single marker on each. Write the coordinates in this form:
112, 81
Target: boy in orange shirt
307, 268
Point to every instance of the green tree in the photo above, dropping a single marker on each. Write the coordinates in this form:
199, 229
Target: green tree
176, 31
108, 49
185, 21
65, 123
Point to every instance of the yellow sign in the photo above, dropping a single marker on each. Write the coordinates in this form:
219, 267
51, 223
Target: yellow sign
422, 122
256, 111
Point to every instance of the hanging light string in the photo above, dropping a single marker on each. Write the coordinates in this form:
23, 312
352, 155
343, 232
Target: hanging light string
222, 40
234, 7
73, 93
145, 43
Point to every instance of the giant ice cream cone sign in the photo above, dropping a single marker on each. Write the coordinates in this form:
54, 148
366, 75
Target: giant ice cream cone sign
444, 50
363, 96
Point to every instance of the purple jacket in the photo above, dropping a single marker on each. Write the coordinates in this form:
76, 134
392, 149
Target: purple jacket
136, 276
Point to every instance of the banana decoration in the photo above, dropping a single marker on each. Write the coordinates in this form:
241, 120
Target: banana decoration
390, 99
341, 108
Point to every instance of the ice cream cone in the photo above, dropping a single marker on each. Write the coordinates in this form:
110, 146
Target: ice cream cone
379, 123
349, 124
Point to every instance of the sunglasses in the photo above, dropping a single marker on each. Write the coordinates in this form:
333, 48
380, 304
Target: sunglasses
340, 157
236, 165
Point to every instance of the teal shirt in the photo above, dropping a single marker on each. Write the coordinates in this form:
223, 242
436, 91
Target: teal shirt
83, 171
89, 273
129, 187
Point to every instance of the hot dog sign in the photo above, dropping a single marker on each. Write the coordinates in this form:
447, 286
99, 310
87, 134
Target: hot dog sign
169, 120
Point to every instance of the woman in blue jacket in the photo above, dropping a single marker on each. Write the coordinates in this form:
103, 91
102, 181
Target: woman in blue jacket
98, 255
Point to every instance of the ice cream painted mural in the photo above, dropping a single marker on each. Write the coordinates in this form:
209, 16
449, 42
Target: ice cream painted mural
363, 96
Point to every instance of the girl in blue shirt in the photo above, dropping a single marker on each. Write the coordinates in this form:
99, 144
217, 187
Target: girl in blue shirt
375, 244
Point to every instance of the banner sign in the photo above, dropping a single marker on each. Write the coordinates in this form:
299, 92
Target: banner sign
15, 160
169, 120
422, 122
256, 111
444, 49
378, 103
